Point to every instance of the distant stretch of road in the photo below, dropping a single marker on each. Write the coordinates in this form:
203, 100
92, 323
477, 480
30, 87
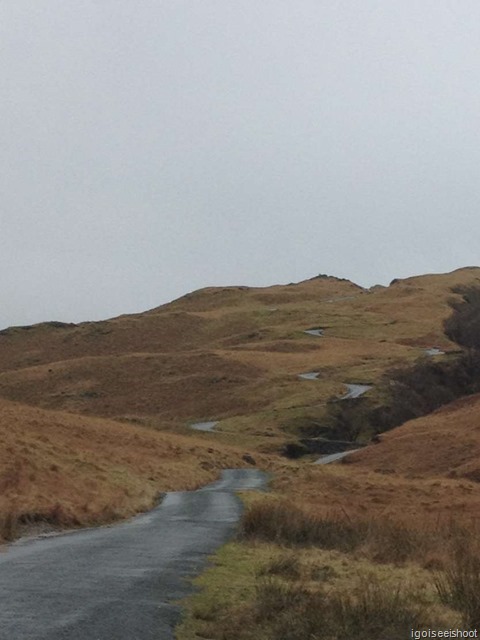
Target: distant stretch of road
333, 457
119, 582
204, 426
355, 391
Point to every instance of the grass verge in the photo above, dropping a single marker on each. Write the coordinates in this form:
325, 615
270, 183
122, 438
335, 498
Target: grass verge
282, 522
263, 591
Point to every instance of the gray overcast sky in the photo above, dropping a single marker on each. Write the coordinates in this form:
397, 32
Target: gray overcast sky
151, 148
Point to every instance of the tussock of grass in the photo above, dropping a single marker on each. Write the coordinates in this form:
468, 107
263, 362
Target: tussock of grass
282, 522
374, 611
388, 541
292, 611
287, 566
328, 595
459, 585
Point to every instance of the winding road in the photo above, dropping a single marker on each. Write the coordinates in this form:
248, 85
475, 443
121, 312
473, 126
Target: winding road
333, 457
204, 426
315, 332
434, 351
119, 582
355, 391
312, 375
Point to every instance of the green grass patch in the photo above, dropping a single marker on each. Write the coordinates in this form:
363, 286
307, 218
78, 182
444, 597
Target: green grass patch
229, 583
267, 592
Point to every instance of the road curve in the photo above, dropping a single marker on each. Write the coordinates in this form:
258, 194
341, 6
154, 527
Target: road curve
118, 583
355, 391
333, 457
312, 375
204, 426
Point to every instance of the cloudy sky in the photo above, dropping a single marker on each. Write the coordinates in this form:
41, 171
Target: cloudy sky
151, 148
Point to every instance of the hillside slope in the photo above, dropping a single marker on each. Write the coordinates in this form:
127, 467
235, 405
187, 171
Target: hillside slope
444, 443
64, 469
232, 353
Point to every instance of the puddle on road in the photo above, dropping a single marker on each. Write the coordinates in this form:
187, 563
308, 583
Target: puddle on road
204, 426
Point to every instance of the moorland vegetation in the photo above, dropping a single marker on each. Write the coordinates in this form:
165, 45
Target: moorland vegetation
95, 425
367, 551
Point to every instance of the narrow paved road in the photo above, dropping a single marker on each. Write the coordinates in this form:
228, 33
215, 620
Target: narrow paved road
333, 457
319, 333
434, 351
204, 426
118, 583
312, 375
355, 391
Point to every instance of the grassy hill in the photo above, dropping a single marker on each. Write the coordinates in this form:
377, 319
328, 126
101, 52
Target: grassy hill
445, 443
61, 469
124, 390
232, 354
95, 424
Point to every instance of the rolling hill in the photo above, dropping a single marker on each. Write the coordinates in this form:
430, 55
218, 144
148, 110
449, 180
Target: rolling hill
60, 469
94, 417
232, 354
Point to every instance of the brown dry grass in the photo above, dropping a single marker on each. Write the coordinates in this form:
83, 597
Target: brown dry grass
454, 574
224, 353
385, 540
73, 470
361, 493
143, 384
228, 352
263, 592
445, 443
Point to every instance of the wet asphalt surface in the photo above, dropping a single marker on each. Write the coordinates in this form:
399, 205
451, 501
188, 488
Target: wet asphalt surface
333, 457
355, 391
204, 426
315, 332
119, 582
312, 375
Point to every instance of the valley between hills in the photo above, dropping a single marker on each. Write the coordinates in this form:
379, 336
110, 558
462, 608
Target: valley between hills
96, 424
